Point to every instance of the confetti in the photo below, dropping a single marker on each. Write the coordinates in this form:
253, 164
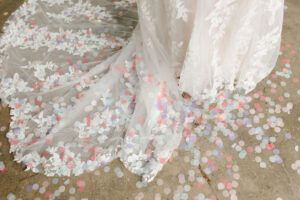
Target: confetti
260, 117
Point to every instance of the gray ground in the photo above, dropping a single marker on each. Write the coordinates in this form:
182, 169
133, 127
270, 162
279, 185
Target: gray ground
235, 178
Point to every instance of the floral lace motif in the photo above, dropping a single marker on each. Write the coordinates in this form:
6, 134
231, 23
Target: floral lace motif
41, 91
236, 53
84, 89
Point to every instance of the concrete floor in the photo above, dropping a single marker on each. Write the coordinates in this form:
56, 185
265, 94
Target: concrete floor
222, 172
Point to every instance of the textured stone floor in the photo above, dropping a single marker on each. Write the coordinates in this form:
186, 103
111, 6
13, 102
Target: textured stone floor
256, 157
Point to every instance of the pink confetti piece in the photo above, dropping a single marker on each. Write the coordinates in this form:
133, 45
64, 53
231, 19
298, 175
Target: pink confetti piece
285, 61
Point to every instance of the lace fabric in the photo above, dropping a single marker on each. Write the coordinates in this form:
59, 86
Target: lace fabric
92, 81
238, 49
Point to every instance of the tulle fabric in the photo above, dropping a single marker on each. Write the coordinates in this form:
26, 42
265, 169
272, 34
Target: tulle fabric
92, 81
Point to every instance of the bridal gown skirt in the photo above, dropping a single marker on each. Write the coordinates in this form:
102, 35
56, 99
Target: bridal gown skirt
90, 81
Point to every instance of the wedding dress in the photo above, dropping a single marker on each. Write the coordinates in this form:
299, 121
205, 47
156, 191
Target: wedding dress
90, 81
